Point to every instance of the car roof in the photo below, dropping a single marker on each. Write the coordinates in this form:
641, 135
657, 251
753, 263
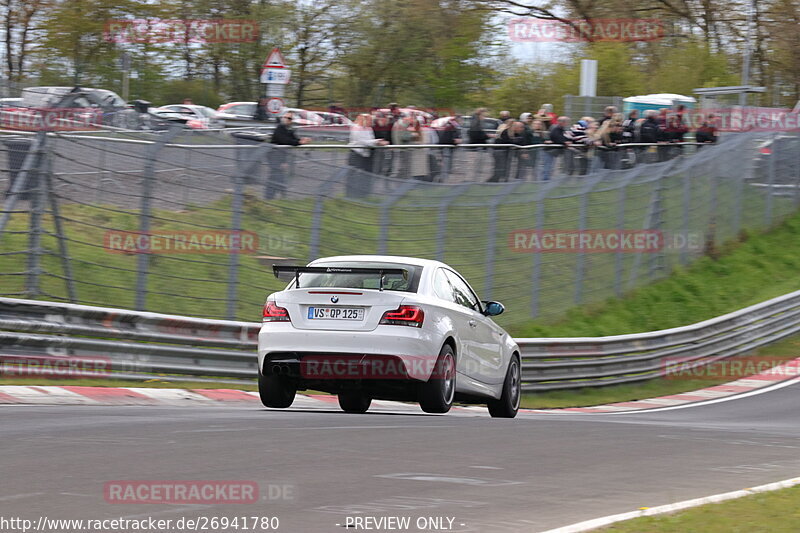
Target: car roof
382, 259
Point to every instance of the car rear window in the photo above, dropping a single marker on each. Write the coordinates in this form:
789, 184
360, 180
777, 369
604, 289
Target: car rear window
391, 282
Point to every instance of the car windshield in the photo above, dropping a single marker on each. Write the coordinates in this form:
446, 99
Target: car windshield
391, 282
207, 111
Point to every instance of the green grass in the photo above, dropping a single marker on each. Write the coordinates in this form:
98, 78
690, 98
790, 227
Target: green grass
542, 285
785, 350
750, 270
769, 512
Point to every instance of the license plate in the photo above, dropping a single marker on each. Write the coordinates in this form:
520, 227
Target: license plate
336, 313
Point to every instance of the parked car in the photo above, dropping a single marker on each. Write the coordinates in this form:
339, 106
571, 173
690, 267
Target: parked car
368, 327
198, 116
334, 119
238, 114
10, 102
75, 107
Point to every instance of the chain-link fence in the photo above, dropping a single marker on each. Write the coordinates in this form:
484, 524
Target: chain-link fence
191, 225
589, 106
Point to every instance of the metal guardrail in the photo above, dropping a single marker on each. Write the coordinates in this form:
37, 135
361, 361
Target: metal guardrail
144, 345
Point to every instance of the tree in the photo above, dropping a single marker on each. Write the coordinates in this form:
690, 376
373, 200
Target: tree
21, 21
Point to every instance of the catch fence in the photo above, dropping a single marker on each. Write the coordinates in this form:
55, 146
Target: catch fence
191, 224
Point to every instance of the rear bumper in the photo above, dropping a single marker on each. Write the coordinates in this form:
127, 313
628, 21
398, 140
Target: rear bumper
387, 352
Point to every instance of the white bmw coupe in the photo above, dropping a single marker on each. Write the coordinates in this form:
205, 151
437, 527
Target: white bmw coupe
368, 327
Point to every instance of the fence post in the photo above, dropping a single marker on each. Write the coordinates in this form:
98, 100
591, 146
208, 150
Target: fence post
319, 206
22, 178
442, 218
386, 207
37, 196
580, 260
61, 236
687, 201
653, 215
148, 178
537, 256
797, 166
236, 228
772, 157
491, 236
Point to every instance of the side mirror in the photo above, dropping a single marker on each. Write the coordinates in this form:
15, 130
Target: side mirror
493, 308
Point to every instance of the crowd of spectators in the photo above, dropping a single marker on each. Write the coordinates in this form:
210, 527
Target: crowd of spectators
612, 141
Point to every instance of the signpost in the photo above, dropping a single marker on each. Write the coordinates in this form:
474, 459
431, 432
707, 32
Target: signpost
274, 105
275, 76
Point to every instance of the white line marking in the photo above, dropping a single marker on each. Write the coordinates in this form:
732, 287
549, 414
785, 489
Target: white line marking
756, 392
595, 523
689, 405
19, 496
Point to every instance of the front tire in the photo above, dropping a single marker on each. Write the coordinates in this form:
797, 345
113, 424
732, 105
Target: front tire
276, 391
354, 401
436, 394
508, 404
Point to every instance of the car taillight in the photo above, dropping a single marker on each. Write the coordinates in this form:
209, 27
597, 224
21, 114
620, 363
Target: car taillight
273, 313
405, 315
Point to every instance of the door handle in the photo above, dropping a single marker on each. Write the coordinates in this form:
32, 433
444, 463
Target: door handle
473, 324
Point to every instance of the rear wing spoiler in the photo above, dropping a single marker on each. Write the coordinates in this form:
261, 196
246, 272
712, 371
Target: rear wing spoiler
297, 270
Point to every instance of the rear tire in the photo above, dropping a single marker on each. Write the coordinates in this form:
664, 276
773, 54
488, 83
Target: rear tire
508, 404
354, 401
436, 394
276, 391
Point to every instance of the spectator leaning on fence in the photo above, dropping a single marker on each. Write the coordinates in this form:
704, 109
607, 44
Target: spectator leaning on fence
402, 135
420, 160
477, 135
558, 135
361, 157
283, 135
449, 135
533, 135
499, 155
382, 129
513, 132
629, 131
608, 113
261, 114
707, 131
581, 133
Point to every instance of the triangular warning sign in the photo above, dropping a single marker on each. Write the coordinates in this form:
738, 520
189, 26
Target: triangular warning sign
274, 60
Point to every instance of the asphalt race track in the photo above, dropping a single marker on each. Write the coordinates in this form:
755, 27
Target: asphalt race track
316, 468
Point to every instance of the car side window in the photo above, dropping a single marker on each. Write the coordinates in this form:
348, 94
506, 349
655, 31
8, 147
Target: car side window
462, 293
442, 287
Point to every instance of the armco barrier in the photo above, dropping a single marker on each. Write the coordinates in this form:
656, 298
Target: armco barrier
138, 344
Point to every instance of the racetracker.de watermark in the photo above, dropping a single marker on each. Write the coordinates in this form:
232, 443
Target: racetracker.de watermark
181, 242
46, 366
730, 369
336, 366
601, 241
188, 492
51, 119
534, 30
744, 118
153, 31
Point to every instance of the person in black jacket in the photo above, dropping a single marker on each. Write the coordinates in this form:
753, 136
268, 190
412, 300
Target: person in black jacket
513, 132
262, 113
449, 135
477, 135
382, 129
559, 135
282, 136
650, 130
